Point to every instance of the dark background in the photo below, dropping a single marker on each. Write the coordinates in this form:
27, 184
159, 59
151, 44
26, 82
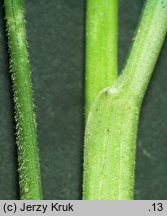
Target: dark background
56, 44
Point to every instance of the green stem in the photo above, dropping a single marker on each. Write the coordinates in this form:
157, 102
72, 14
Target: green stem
101, 47
110, 138
29, 170
145, 50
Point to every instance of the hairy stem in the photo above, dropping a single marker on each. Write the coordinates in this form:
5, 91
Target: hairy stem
110, 138
146, 48
29, 170
101, 47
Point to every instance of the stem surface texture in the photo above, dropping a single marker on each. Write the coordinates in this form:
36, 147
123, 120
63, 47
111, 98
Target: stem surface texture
110, 137
29, 169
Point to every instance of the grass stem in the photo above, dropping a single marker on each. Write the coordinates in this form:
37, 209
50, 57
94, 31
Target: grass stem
111, 129
28, 159
101, 47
